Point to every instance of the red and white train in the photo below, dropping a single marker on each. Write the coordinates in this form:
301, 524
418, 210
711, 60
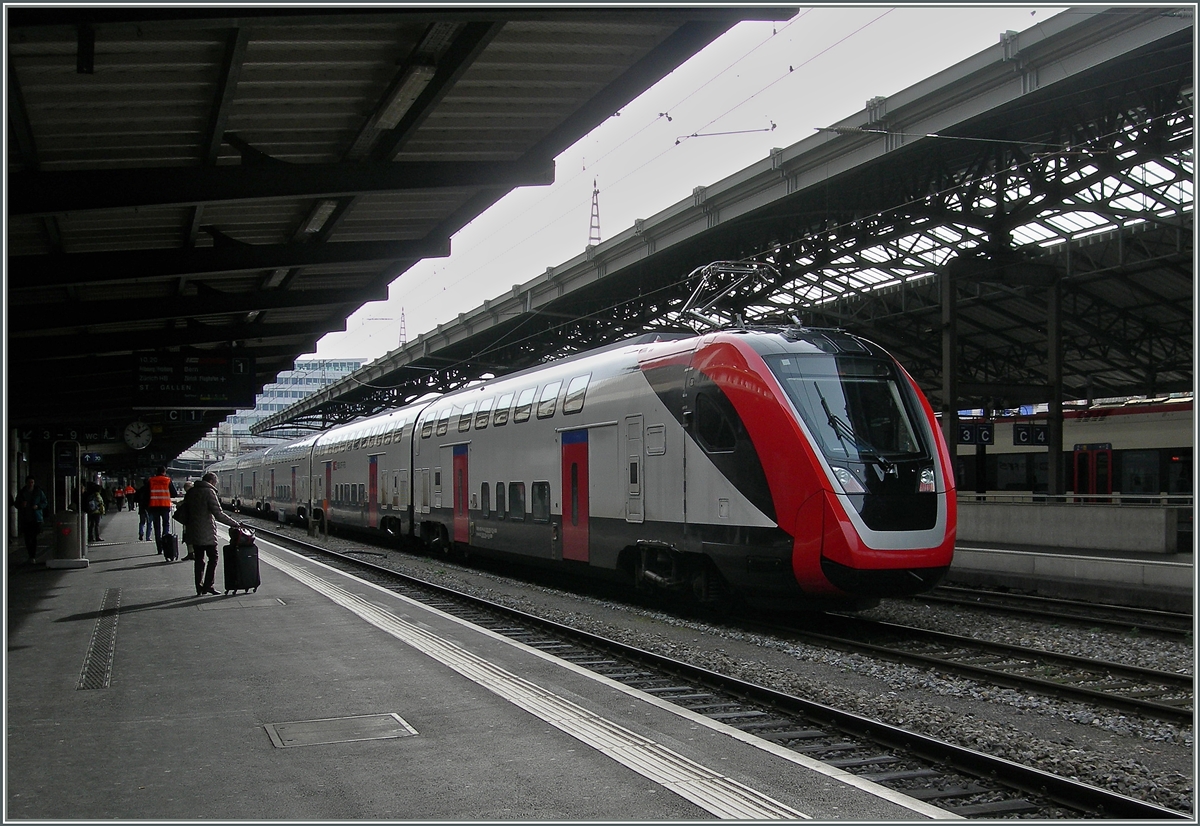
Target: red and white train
789, 468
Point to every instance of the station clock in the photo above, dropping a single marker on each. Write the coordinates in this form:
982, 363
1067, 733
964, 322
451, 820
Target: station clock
138, 435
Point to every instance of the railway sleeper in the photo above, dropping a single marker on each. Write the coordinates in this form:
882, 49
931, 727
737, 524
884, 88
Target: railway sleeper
942, 794
997, 807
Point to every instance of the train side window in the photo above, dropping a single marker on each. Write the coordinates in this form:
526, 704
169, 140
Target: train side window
516, 501
576, 390
427, 428
443, 424
485, 500
499, 500
464, 420
484, 414
524, 405
539, 500
713, 428
501, 416
362, 493
549, 400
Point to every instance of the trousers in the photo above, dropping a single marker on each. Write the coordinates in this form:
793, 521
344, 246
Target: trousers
206, 566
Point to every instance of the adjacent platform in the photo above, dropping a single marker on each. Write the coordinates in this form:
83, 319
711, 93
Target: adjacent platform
1162, 582
322, 698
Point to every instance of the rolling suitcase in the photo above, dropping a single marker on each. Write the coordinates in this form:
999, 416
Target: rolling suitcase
241, 561
168, 543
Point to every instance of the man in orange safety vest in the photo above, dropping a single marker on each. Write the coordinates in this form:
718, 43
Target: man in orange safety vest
162, 491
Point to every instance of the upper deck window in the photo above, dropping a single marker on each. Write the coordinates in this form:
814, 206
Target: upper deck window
501, 416
464, 420
548, 400
524, 405
576, 390
484, 414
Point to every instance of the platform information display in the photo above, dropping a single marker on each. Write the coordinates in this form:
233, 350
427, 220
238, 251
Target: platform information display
210, 381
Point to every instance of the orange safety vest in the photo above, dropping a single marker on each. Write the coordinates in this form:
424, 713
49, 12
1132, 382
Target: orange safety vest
130, 490
160, 491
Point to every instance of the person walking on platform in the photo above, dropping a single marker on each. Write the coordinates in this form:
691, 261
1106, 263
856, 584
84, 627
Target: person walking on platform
130, 494
202, 506
118, 498
142, 498
162, 491
93, 506
30, 502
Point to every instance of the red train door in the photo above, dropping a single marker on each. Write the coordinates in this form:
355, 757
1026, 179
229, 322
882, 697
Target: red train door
462, 520
575, 495
373, 492
1093, 470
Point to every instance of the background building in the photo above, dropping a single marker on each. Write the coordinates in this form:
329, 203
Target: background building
233, 436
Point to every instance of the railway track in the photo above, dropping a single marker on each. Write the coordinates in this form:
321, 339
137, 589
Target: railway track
1141, 620
960, 780
1162, 695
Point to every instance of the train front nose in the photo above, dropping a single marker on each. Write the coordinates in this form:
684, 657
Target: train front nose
830, 557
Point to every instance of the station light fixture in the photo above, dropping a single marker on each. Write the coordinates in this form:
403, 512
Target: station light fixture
405, 93
320, 215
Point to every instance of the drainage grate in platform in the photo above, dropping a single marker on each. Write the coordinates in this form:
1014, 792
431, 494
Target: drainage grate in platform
339, 730
98, 662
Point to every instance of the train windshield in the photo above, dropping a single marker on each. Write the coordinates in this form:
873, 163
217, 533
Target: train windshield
856, 407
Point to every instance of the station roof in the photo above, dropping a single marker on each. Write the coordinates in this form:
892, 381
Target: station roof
1056, 165
223, 186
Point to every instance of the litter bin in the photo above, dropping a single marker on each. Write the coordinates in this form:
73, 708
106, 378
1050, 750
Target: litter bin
69, 536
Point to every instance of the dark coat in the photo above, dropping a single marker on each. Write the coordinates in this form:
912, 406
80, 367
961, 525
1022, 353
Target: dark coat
203, 507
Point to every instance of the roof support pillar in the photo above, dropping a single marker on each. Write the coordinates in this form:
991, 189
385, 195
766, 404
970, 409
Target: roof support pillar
949, 290
1054, 369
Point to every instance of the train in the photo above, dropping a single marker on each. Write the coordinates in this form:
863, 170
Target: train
783, 468
1133, 449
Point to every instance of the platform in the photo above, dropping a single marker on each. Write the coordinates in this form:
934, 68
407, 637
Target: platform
1141, 580
323, 698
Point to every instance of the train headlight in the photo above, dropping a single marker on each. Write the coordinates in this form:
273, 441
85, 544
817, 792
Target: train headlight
848, 480
928, 482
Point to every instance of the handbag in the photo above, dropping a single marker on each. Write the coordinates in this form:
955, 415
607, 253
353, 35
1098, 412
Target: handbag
181, 513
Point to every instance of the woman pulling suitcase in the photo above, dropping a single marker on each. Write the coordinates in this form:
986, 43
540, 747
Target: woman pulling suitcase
201, 507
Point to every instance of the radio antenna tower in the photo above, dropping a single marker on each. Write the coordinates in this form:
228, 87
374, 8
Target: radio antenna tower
594, 231
403, 334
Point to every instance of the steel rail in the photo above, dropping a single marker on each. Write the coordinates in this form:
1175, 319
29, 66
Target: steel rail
946, 662
1120, 616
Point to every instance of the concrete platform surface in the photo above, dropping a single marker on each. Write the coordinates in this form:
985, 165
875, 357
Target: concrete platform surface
324, 698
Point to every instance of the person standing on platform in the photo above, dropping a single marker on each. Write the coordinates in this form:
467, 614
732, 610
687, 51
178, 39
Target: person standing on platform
130, 493
162, 491
141, 497
118, 498
202, 507
93, 506
30, 502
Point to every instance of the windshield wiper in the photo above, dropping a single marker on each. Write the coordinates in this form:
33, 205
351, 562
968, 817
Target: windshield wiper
843, 430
